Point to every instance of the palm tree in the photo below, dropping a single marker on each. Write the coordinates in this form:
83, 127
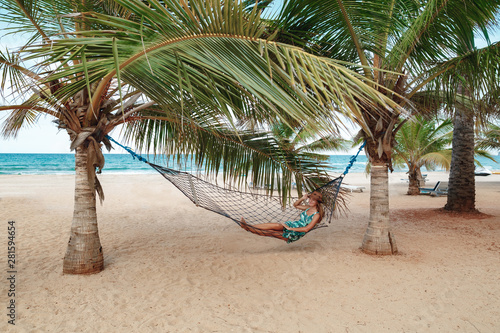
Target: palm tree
178, 75
422, 142
397, 36
472, 98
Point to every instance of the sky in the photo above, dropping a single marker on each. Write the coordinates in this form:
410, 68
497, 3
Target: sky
44, 137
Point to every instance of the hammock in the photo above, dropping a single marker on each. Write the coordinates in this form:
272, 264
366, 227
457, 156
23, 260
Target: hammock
254, 207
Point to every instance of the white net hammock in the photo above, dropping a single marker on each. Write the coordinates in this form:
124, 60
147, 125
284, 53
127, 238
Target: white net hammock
256, 208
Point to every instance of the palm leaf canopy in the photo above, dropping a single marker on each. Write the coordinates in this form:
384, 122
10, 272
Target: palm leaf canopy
456, 80
396, 35
257, 156
184, 53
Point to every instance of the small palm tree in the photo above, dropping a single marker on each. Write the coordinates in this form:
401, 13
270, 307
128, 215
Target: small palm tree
423, 142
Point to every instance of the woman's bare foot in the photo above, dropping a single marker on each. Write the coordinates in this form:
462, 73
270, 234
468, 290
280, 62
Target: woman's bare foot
244, 224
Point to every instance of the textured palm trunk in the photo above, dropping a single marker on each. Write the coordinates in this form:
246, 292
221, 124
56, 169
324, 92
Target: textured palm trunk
378, 236
414, 179
84, 252
461, 185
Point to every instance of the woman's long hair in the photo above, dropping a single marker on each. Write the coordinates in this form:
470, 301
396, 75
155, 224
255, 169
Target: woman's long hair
319, 206
321, 211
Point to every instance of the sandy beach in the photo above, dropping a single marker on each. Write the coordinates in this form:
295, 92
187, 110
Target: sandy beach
173, 267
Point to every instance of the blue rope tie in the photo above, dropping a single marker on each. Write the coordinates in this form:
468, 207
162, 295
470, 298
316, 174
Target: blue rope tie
353, 159
129, 150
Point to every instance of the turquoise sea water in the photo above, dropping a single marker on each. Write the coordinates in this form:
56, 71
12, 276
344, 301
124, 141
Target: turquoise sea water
40, 164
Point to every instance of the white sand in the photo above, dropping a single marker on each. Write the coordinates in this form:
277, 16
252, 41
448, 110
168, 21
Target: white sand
172, 267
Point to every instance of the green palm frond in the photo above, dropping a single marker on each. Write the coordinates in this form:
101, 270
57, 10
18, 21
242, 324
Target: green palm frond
483, 153
326, 144
215, 147
38, 19
403, 34
438, 158
17, 119
190, 61
445, 79
490, 138
424, 142
438, 31
333, 25
42, 20
26, 114
13, 74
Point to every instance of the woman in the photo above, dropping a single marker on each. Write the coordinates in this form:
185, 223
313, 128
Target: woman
291, 231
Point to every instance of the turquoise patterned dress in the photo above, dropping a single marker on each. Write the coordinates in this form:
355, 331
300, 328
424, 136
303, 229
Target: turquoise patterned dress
302, 222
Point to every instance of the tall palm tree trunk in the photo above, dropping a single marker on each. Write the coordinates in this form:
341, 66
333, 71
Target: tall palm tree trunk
414, 179
378, 236
84, 252
462, 184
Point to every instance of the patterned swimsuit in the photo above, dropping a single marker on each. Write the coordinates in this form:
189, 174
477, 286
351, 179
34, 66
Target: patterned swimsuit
302, 222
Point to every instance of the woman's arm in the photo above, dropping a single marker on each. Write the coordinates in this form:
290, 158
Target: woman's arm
308, 227
298, 203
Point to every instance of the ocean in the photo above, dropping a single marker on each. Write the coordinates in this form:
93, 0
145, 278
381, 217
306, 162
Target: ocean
43, 164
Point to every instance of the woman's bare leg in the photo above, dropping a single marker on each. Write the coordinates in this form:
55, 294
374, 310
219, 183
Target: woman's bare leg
265, 229
269, 226
275, 234
262, 226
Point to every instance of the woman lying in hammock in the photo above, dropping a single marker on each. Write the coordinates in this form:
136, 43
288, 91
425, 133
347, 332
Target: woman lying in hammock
291, 231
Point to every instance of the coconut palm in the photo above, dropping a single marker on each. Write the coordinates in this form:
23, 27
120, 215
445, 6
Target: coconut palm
471, 98
414, 37
178, 75
423, 142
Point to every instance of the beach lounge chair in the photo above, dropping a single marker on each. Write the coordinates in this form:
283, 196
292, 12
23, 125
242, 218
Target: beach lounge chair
441, 188
352, 188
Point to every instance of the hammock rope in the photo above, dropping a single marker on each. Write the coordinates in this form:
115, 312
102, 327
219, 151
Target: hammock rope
256, 208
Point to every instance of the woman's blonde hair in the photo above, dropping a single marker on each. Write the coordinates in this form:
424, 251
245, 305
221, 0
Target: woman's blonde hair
319, 206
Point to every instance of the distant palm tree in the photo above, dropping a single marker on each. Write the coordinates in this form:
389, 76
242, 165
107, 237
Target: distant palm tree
465, 89
423, 142
178, 76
